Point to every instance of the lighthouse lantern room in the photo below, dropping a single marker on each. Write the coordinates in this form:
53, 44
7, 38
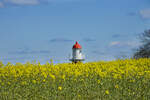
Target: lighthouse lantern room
77, 53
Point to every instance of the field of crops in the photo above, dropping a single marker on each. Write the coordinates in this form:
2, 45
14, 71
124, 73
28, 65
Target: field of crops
113, 80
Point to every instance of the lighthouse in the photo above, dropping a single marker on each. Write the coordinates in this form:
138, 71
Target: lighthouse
77, 55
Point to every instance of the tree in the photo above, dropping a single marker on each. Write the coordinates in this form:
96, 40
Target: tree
144, 50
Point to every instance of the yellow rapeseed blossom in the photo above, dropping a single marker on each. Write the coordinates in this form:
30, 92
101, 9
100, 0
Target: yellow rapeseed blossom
107, 92
79, 95
44, 80
63, 77
8, 83
52, 76
24, 83
98, 81
116, 86
34, 81
35, 73
60, 88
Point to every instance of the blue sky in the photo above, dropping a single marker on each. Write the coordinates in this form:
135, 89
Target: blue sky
46, 29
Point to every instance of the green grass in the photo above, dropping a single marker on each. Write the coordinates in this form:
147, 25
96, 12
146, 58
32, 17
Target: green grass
87, 89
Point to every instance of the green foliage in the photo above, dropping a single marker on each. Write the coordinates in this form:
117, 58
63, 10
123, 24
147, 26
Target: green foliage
144, 50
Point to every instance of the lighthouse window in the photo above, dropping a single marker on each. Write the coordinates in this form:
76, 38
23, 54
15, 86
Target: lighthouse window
80, 51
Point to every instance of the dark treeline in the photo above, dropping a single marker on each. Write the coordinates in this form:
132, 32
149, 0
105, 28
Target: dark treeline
144, 50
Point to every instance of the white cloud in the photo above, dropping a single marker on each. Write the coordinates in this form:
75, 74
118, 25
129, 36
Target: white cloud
33, 2
1, 5
127, 43
133, 43
62, 0
145, 13
114, 43
23, 2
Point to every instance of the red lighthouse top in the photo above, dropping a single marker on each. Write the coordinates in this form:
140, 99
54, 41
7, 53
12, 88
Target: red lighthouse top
77, 46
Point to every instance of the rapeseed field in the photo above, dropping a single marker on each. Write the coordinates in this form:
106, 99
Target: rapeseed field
112, 80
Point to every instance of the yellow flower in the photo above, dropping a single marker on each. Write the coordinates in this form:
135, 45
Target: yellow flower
79, 95
24, 83
44, 74
8, 83
116, 86
63, 77
44, 80
3, 83
98, 81
60, 88
52, 76
107, 92
34, 81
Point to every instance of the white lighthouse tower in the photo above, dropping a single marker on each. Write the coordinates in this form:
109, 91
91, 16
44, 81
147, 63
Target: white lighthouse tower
77, 53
